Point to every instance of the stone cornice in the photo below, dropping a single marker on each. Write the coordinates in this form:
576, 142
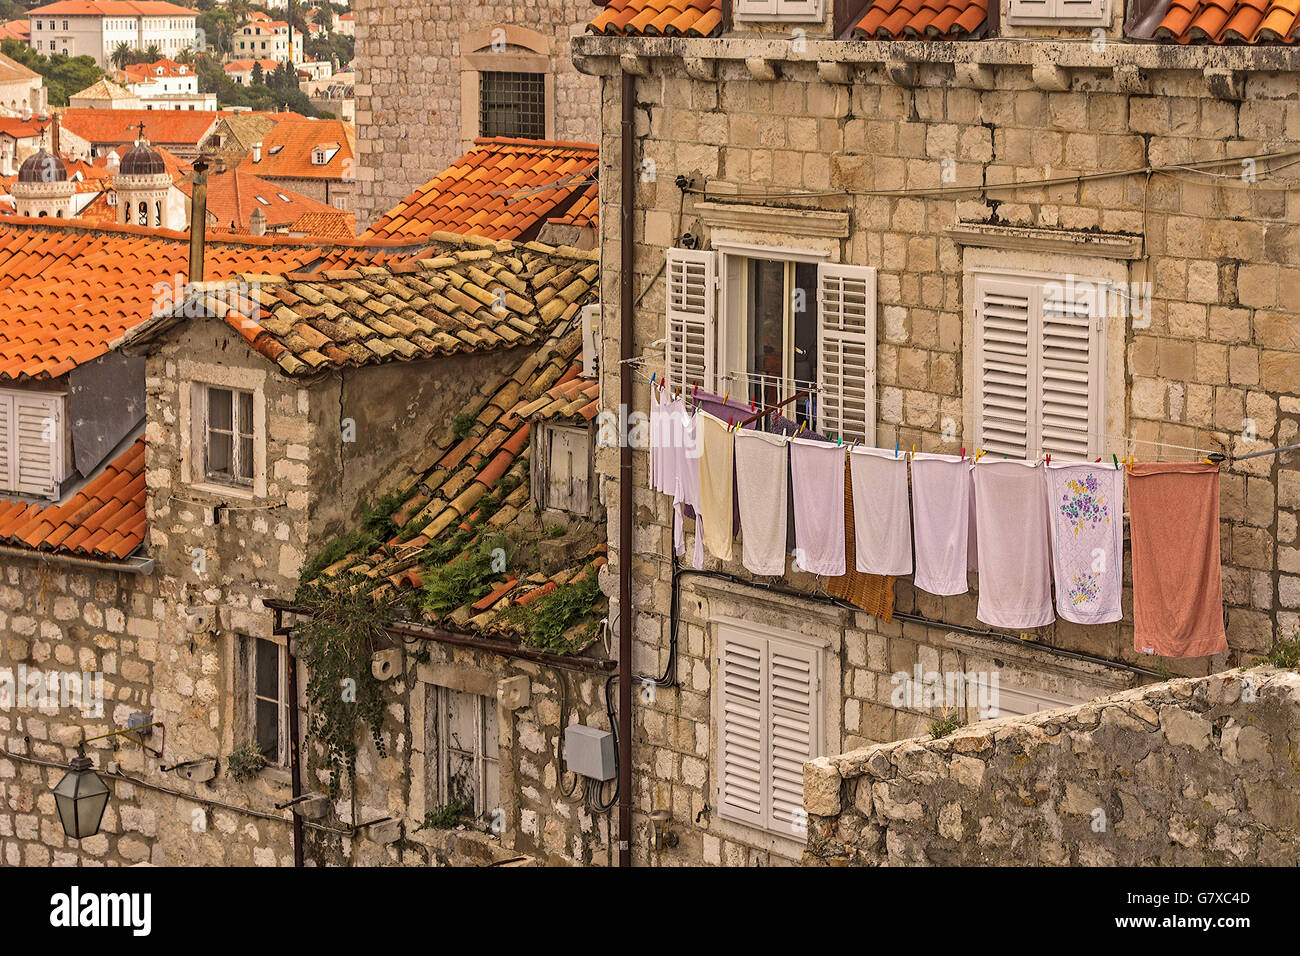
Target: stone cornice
1054, 59
805, 222
1109, 245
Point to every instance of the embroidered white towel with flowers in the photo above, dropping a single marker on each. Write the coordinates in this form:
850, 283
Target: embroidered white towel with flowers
1086, 503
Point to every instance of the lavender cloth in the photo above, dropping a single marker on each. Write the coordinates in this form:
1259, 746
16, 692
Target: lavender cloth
881, 512
1014, 554
817, 480
941, 501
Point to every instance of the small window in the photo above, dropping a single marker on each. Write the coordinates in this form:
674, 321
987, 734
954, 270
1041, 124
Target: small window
1058, 12
564, 480
264, 202
267, 678
461, 750
778, 9
228, 430
512, 104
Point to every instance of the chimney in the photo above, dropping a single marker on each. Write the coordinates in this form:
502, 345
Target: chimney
257, 223
257, 152
54, 134
198, 219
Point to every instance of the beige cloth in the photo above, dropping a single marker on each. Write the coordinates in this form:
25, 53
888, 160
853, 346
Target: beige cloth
717, 461
1177, 572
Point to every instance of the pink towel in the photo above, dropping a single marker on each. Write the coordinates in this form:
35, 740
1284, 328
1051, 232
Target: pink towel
881, 512
1087, 522
817, 478
1014, 556
762, 490
941, 522
1177, 572
683, 460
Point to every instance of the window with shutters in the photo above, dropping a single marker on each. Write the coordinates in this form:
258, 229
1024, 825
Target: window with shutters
228, 436
1061, 12
793, 327
34, 441
1038, 366
462, 759
777, 10
768, 721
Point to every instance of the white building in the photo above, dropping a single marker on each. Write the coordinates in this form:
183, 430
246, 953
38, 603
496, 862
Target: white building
167, 85
266, 40
96, 27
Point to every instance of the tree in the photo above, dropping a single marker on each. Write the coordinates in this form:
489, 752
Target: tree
186, 56
259, 75
121, 55
153, 53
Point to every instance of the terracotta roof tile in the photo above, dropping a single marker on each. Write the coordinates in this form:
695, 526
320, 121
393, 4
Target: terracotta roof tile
1218, 21
923, 20
75, 289
670, 18
120, 127
235, 193
287, 150
502, 189
104, 519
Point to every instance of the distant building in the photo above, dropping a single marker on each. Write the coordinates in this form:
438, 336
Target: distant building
89, 133
267, 39
104, 94
167, 85
20, 89
95, 28
311, 156
241, 71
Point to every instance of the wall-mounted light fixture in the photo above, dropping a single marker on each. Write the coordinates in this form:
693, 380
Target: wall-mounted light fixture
81, 796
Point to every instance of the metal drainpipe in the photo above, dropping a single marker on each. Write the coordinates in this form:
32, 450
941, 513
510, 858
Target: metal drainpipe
626, 201
198, 219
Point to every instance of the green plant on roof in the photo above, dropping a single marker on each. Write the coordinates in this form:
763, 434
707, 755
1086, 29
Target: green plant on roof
555, 622
445, 817
377, 520
554, 531
468, 577
355, 541
1285, 652
336, 642
461, 425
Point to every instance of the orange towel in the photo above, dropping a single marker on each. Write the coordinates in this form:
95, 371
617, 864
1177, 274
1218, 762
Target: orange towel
1177, 572
873, 593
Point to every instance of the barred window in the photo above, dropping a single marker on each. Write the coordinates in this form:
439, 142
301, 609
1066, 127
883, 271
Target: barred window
512, 104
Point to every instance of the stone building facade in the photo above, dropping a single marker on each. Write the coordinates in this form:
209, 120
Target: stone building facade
419, 80
895, 155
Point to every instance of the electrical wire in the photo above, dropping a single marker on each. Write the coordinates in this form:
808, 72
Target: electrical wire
594, 787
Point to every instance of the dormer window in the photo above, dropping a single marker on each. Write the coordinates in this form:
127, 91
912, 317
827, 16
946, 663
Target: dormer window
564, 478
321, 155
33, 443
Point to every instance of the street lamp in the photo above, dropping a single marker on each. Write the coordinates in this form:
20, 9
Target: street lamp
81, 798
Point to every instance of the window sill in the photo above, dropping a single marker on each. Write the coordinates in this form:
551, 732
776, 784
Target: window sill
224, 491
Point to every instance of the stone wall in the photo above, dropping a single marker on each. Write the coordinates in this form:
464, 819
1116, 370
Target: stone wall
1194, 772
55, 618
409, 78
1216, 363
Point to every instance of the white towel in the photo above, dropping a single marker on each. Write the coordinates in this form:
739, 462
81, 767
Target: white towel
817, 478
941, 501
762, 488
881, 512
684, 454
1015, 558
656, 442
1086, 507
717, 457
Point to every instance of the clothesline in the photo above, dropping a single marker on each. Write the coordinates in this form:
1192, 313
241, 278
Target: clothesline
1038, 536
1126, 440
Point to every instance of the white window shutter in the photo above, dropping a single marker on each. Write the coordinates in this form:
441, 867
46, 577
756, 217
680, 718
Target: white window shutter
1093, 11
742, 726
1070, 393
38, 444
756, 8
6, 442
846, 360
691, 317
1004, 332
793, 719
1024, 10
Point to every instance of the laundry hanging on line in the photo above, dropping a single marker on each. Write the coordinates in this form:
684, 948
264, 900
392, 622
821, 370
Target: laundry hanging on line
762, 491
1086, 519
881, 512
817, 480
1015, 563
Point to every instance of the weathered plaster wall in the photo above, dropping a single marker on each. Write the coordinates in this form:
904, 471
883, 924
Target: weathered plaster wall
1219, 350
1195, 772
409, 79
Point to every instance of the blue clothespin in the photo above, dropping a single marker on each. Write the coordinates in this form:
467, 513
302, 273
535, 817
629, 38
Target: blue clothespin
652, 379
895, 447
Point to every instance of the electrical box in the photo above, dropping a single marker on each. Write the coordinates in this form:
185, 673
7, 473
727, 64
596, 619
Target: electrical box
589, 752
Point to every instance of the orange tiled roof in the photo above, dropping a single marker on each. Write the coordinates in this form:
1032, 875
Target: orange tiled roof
166, 127
113, 8
246, 66
74, 289
473, 295
17, 29
669, 18
334, 224
500, 190
1227, 21
923, 20
105, 519
585, 210
287, 149
470, 490
234, 194
21, 128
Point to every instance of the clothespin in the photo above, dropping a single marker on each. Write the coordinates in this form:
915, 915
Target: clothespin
652, 379
695, 389
1097, 462
963, 452
895, 447
840, 440
726, 395
730, 422
1115, 460
913, 448
1049, 459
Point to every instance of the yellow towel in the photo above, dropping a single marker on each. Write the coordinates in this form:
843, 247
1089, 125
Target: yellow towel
717, 459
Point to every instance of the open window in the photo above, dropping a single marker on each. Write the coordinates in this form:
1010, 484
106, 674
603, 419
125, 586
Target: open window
265, 670
463, 762
769, 325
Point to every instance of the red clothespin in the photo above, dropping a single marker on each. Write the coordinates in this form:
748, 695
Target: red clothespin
1097, 462
963, 452
730, 422
1049, 459
697, 388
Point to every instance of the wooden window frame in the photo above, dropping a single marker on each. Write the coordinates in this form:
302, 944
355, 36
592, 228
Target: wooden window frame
236, 434
543, 441
250, 646
438, 755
